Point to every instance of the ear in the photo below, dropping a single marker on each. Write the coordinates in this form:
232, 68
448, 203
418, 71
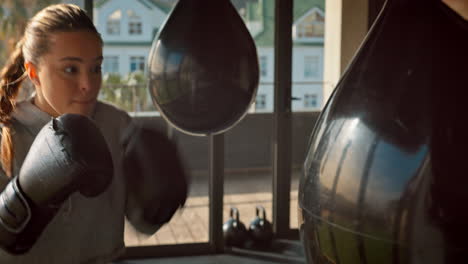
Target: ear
31, 69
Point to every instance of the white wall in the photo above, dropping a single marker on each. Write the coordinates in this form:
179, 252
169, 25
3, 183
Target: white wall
268, 53
124, 53
301, 84
299, 54
151, 18
345, 27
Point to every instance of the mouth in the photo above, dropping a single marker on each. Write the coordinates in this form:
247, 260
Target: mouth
90, 101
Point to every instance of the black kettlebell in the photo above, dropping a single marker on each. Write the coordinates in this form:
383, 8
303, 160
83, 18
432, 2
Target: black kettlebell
234, 231
260, 229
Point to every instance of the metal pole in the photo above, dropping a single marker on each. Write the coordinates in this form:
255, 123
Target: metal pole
216, 192
282, 117
88, 6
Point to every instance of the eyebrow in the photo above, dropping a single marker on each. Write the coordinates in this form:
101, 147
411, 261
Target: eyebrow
79, 59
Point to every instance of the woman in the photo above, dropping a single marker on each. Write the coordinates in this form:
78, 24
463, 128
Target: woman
61, 53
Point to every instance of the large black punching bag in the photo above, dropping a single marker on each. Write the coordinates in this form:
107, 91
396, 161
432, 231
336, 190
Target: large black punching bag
385, 178
203, 67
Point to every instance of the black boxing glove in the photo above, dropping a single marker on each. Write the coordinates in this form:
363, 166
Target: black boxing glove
69, 154
157, 184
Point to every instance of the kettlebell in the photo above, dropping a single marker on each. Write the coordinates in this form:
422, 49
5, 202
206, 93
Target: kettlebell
234, 231
260, 229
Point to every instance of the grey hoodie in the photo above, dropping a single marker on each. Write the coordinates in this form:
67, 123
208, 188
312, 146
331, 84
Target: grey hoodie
85, 230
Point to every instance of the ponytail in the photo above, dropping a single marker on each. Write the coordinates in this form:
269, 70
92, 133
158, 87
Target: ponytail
34, 44
11, 78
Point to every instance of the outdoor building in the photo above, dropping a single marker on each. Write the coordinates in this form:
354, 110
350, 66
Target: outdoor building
129, 27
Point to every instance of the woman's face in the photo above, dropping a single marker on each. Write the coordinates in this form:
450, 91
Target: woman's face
69, 75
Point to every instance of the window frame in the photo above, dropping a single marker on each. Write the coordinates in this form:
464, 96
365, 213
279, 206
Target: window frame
111, 64
310, 100
113, 25
311, 66
281, 173
139, 62
135, 24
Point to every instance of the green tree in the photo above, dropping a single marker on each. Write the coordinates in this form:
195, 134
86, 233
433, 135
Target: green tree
129, 93
14, 15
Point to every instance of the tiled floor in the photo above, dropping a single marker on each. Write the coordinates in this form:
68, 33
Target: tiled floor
191, 224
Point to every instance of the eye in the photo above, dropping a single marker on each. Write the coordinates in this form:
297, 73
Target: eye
70, 69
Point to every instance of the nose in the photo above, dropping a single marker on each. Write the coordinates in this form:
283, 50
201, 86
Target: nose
88, 83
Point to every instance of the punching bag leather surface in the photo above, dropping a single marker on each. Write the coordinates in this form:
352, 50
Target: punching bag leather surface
203, 67
384, 180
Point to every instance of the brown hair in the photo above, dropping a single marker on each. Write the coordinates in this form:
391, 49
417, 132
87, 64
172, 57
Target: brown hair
34, 44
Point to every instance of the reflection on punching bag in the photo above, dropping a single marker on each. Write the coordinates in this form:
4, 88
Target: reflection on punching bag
203, 67
384, 180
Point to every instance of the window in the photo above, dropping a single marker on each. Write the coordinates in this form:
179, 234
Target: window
137, 63
314, 29
134, 23
311, 66
260, 102
263, 66
311, 26
310, 101
134, 28
113, 23
111, 64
